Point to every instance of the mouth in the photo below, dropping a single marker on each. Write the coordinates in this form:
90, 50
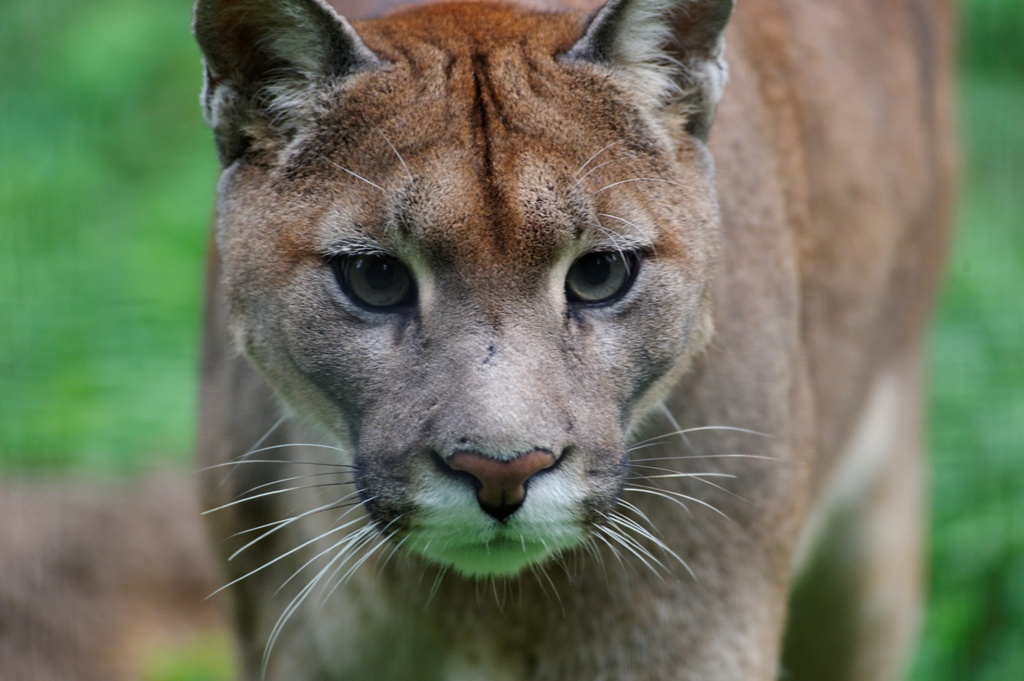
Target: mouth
475, 545
445, 524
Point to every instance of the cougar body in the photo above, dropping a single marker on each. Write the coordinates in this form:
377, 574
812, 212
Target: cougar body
536, 349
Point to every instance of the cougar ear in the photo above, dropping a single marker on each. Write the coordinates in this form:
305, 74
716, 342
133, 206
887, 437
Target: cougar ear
673, 48
264, 59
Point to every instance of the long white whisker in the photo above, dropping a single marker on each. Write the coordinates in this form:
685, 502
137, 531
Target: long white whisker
669, 473
298, 444
596, 168
255, 447
294, 605
535, 569
380, 534
622, 524
351, 550
601, 151
437, 583
353, 174
640, 179
346, 466
632, 507
629, 544
620, 519
345, 542
284, 555
662, 492
697, 429
401, 160
281, 524
704, 456
293, 478
334, 505
623, 220
614, 549
391, 554
700, 477
272, 493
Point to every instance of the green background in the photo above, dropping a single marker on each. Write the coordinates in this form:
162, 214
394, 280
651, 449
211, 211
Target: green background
106, 182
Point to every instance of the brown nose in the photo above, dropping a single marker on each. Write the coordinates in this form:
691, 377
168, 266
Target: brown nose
502, 482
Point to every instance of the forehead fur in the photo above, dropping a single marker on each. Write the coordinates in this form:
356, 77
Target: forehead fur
478, 144
473, 27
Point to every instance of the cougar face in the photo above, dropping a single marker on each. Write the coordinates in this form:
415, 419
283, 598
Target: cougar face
464, 266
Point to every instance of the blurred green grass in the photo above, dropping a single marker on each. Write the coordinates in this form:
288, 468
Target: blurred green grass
106, 185
106, 178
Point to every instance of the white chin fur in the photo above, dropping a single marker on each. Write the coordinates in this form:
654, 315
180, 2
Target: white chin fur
452, 530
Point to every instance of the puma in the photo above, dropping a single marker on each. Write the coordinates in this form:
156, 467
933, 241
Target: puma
563, 342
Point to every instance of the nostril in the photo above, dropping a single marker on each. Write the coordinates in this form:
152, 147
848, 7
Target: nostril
502, 482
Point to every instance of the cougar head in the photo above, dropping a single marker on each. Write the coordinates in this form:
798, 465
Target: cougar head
473, 243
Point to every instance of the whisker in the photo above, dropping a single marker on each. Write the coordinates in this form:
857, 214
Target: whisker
391, 554
596, 168
633, 547
601, 151
294, 605
700, 477
275, 492
635, 509
670, 473
660, 493
705, 456
592, 549
351, 551
280, 461
284, 555
623, 523
621, 520
623, 220
614, 549
293, 478
298, 444
329, 507
697, 429
255, 447
640, 179
672, 493
437, 583
343, 547
697, 476
535, 569
401, 160
281, 524
353, 174
613, 236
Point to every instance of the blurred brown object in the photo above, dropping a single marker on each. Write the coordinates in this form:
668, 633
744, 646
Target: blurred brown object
96, 573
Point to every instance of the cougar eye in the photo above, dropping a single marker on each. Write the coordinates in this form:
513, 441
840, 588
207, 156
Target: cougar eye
601, 277
375, 282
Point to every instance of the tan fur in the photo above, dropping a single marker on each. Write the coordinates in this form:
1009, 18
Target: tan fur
475, 144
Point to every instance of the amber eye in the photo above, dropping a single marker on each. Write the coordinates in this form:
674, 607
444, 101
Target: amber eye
376, 282
601, 277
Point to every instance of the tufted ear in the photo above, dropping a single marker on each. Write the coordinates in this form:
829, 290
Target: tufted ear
673, 48
264, 60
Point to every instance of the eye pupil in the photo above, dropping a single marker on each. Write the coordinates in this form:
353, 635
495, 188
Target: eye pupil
379, 275
375, 282
596, 268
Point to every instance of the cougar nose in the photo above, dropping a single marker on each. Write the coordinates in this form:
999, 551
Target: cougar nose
502, 482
